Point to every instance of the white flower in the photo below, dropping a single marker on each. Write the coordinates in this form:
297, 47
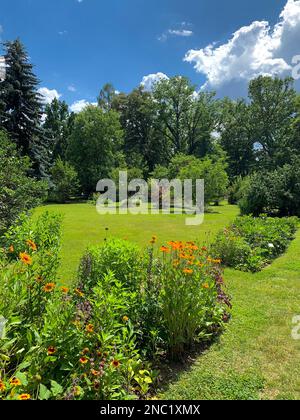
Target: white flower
271, 246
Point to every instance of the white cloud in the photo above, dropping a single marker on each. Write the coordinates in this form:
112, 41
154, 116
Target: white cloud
78, 106
253, 50
63, 32
151, 79
71, 88
48, 95
180, 32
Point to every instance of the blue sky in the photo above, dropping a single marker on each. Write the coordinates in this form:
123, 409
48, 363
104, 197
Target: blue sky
77, 46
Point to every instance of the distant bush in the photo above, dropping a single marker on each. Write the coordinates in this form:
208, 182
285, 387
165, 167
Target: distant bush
251, 243
234, 190
65, 182
274, 193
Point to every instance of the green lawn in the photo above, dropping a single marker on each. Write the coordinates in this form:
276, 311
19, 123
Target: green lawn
256, 356
83, 226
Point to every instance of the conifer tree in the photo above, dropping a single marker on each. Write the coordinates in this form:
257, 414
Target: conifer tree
22, 107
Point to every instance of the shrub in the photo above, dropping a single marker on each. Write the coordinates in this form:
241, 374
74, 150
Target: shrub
65, 182
234, 191
274, 193
214, 175
121, 257
172, 305
18, 191
251, 243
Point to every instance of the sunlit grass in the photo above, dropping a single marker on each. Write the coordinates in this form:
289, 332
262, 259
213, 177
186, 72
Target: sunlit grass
83, 226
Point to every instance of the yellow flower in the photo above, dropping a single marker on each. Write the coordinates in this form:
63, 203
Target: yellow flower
49, 287
188, 271
90, 328
64, 289
2, 386
153, 240
79, 293
24, 397
83, 360
205, 286
115, 363
15, 381
125, 318
31, 245
25, 258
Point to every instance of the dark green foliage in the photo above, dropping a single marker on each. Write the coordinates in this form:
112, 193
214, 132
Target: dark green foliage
93, 145
65, 182
58, 124
18, 192
272, 109
274, 193
21, 107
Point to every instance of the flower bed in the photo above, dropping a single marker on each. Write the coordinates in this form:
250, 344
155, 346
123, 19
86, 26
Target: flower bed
99, 338
249, 244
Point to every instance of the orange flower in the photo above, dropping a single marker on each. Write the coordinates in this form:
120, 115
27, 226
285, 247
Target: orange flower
204, 249
79, 293
205, 286
165, 249
2, 386
64, 289
49, 287
83, 360
89, 328
25, 258
188, 271
176, 263
15, 381
95, 372
39, 279
24, 397
11, 249
51, 350
31, 245
85, 351
125, 318
115, 363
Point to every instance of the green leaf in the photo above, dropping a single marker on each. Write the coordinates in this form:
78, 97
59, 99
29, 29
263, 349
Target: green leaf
56, 389
44, 393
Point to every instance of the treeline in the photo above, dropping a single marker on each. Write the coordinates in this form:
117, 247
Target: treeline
247, 148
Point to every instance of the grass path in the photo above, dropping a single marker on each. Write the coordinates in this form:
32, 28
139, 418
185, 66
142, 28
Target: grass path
256, 358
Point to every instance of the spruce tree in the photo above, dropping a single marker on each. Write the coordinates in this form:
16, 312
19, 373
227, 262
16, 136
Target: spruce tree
22, 107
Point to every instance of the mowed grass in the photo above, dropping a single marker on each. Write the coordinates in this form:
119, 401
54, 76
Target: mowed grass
83, 227
256, 357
